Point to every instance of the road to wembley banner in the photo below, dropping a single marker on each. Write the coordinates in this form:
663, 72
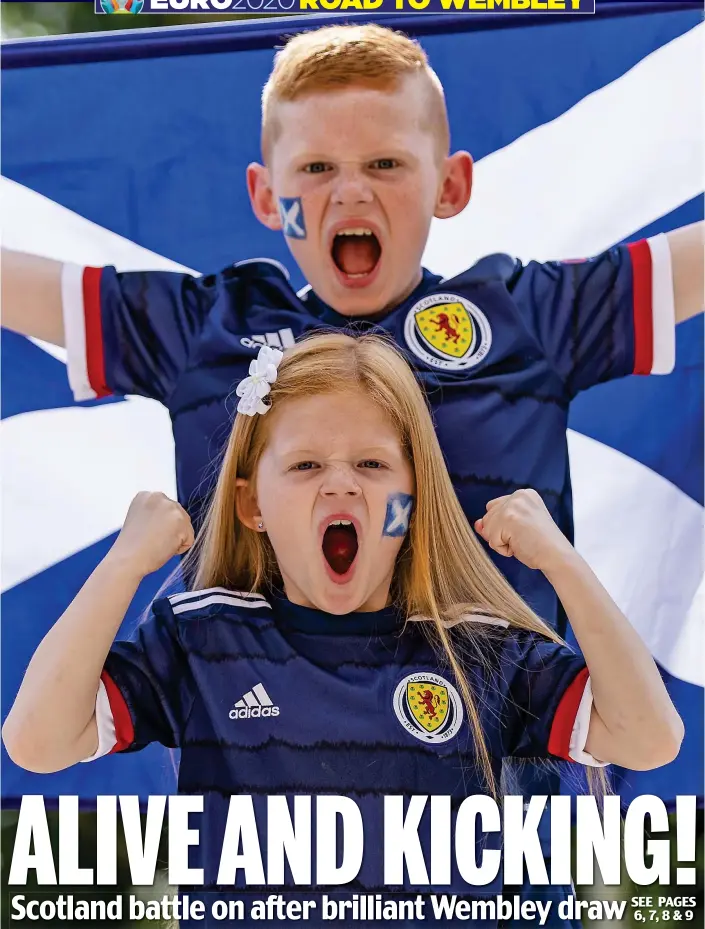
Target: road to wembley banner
380, 6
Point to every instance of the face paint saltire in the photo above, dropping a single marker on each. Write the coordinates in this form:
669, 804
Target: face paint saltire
398, 516
291, 211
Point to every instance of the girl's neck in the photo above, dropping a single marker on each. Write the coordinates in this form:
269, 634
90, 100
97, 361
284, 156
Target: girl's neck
377, 600
304, 618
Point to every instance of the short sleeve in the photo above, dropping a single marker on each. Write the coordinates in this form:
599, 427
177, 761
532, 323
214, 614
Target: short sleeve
546, 699
604, 317
144, 694
130, 333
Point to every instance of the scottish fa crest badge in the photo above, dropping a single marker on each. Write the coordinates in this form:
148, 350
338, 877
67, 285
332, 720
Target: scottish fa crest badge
428, 706
447, 331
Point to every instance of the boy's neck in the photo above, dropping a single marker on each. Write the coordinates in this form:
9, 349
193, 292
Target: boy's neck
425, 279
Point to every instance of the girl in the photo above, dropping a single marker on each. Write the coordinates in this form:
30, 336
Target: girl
344, 632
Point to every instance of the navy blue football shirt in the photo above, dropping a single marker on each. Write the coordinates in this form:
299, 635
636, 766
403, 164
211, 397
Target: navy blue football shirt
501, 350
253, 691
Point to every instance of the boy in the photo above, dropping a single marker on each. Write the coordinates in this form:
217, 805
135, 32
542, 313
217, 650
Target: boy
355, 147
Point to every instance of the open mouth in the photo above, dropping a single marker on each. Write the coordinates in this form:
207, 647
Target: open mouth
340, 545
356, 252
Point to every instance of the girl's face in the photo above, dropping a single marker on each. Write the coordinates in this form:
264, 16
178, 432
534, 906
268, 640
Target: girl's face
335, 494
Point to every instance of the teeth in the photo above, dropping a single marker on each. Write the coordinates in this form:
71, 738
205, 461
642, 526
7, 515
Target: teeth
360, 230
340, 522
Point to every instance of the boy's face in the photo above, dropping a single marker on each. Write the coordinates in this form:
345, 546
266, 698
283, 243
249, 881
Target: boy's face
335, 494
354, 178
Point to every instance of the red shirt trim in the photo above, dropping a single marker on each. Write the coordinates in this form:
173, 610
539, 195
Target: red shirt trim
564, 718
124, 730
642, 290
95, 364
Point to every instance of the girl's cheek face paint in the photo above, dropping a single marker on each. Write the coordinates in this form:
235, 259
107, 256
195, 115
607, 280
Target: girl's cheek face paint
291, 211
398, 516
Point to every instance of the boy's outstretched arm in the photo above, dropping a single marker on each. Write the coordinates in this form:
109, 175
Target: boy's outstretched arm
31, 296
124, 332
687, 246
52, 723
633, 722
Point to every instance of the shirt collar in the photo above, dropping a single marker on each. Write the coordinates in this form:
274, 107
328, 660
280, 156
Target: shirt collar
306, 619
327, 314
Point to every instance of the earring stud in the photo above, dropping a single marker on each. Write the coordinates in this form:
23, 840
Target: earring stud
260, 526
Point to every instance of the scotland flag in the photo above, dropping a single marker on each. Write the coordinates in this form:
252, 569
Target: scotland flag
130, 149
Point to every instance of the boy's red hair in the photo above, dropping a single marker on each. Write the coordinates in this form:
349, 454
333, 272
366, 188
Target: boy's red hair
336, 57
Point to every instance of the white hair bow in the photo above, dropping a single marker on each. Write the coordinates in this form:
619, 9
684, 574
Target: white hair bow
263, 372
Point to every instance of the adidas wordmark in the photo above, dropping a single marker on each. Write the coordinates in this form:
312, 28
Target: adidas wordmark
254, 704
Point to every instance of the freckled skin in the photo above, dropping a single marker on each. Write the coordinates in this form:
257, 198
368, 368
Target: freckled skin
381, 166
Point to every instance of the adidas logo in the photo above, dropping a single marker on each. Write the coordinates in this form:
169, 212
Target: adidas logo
254, 703
283, 338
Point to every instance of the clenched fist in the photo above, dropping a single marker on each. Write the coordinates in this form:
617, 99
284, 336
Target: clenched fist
519, 525
156, 528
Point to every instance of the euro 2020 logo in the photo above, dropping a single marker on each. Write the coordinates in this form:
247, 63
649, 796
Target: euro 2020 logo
122, 6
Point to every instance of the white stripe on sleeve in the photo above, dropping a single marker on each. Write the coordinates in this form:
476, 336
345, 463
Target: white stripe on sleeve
581, 726
663, 306
106, 724
75, 331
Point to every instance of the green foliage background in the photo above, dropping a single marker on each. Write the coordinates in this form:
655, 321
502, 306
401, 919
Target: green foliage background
36, 19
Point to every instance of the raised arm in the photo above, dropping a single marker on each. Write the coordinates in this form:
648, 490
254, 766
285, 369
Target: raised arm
687, 246
614, 314
125, 332
633, 722
52, 723
31, 296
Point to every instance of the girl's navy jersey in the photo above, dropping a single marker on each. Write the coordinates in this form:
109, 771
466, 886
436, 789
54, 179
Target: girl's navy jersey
265, 698
501, 350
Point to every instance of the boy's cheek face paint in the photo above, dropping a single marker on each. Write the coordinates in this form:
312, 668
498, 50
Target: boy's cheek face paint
398, 516
291, 211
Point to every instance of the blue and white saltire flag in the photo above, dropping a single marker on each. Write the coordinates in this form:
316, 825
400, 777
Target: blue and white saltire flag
130, 149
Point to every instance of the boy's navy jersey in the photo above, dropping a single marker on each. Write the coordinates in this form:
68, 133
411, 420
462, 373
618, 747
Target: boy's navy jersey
267, 698
501, 350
